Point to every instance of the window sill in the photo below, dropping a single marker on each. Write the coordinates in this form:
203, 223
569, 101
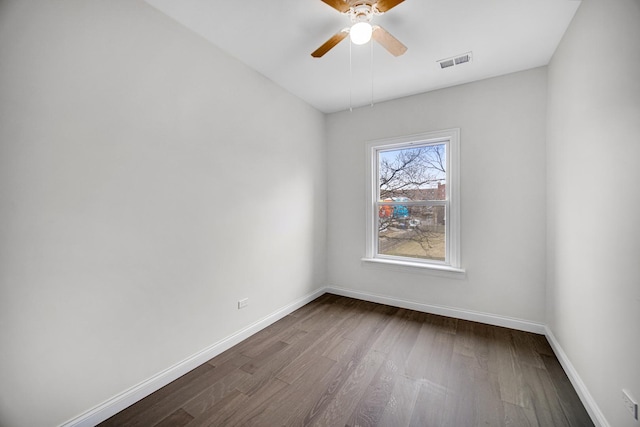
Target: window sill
439, 270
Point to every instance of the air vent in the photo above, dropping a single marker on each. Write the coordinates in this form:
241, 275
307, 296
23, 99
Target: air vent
446, 63
456, 60
462, 59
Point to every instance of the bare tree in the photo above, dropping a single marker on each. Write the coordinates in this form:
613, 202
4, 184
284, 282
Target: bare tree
412, 174
404, 172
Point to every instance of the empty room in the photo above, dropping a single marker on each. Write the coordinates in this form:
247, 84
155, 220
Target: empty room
320, 212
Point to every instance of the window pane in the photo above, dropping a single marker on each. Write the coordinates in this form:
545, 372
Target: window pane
414, 232
413, 198
414, 173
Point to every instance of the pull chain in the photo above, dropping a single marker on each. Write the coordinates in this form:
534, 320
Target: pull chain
351, 75
350, 79
371, 43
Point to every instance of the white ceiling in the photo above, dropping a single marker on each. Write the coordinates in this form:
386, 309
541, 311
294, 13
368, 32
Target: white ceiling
276, 38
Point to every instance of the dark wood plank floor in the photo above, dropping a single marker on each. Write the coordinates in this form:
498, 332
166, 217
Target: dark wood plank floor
343, 362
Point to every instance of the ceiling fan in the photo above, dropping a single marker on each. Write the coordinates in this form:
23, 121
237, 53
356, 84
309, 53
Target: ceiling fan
361, 31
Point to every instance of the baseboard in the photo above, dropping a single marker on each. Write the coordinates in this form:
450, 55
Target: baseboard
475, 316
587, 400
491, 319
127, 398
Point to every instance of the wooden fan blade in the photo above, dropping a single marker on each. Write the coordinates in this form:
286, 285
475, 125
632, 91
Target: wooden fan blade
330, 44
385, 5
339, 5
387, 41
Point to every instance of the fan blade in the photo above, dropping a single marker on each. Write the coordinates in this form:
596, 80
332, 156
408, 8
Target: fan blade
330, 44
387, 41
385, 5
339, 5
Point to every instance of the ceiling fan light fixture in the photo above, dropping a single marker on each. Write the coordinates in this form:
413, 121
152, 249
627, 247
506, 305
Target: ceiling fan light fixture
360, 33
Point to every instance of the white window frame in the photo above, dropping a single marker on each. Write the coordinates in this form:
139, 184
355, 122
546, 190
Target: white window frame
449, 137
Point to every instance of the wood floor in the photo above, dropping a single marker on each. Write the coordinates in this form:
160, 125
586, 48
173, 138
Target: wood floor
343, 362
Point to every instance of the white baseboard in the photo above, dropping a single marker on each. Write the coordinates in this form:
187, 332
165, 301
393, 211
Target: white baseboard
128, 397
587, 400
475, 316
491, 319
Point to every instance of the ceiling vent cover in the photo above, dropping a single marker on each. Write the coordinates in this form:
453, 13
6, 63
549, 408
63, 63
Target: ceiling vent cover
446, 63
456, 60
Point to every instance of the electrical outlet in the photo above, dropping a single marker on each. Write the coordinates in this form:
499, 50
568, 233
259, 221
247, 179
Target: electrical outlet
243, 303
630, 403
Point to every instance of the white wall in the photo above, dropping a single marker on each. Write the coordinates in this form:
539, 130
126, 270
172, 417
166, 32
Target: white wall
147, 182
133, 162
502, 123
593, 188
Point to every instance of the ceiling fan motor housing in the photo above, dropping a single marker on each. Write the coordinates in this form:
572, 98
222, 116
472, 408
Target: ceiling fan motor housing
362, 12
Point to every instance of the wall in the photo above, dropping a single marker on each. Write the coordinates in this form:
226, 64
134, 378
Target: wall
147, 183
502, 123
593, 150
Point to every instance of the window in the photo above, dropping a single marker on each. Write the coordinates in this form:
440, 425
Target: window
413, 212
